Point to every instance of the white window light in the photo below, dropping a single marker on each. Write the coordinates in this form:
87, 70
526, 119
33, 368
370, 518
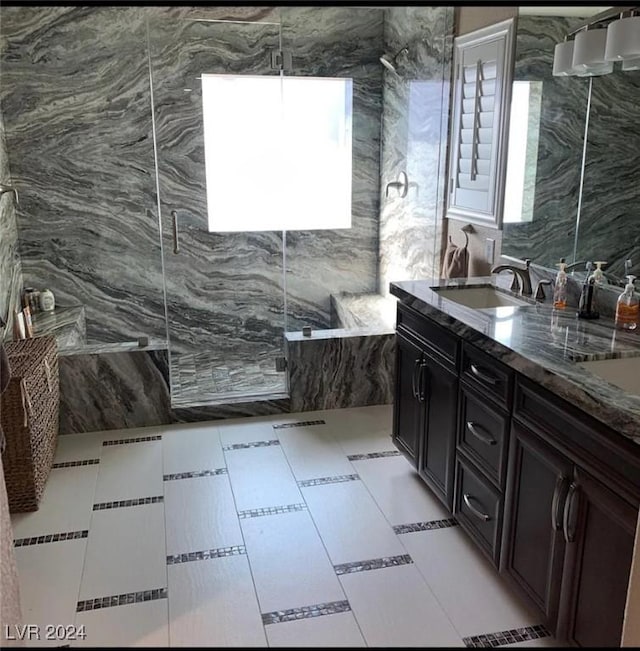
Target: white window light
277, 152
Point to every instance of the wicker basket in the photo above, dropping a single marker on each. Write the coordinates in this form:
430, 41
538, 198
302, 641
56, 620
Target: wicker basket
29, 416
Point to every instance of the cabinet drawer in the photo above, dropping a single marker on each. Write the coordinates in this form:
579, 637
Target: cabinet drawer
478, 508
487, 374
436, 337
483, 434
610, 457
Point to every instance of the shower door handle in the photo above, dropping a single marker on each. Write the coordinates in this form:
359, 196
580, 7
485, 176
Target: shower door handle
174, 218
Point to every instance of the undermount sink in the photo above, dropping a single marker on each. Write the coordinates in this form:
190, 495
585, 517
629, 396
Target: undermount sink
623, 372
480, 297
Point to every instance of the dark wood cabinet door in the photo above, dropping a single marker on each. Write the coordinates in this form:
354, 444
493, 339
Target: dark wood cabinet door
407, 408
438, 388
533, 543
600, 528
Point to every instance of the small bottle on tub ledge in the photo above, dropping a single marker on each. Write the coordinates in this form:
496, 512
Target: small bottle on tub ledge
628, 307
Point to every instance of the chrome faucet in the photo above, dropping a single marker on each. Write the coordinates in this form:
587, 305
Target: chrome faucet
521, 279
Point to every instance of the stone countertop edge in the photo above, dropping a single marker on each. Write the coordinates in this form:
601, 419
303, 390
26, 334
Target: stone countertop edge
530, 349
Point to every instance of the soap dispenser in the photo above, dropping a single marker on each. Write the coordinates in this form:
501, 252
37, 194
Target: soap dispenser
628, 307
587, 305
560, 289
598, 274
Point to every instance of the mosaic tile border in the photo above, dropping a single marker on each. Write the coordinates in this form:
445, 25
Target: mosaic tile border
206, 554
373, 455
304, 483
271, 510
195, 473
101, 506
511, 636
72, 464
302, 423
137, 439
330, 608
425, 526
253, 444
121, 599
372, 564
50, 538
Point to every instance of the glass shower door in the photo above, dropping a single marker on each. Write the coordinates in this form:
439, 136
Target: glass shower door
223, 274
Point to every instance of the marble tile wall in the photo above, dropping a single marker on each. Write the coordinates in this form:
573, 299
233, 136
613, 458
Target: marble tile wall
550, 235
76, 81
104, 391
335, 369
10, 267
610, 213
414, 136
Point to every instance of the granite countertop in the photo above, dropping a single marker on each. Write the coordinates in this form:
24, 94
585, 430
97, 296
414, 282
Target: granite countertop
542, 344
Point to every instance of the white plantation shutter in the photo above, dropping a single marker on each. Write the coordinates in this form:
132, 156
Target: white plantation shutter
481, 89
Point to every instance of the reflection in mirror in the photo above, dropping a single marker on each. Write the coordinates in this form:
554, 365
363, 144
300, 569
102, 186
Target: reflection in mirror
562, 203
545, 157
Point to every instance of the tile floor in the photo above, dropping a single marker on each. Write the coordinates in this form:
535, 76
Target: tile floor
289, 530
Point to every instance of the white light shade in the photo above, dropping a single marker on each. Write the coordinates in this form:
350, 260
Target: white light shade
588, 53
563, 60
623, 39
631, 64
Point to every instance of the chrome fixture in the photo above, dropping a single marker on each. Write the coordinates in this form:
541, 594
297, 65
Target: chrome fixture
9, 188
176, 242
402, 184
597, 46
391, 61
539, 293
520, 270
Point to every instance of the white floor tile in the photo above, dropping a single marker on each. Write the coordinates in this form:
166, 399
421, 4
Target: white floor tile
200, 514
398, 490
130, 470
192, 447
313, 452
394, 607
261, 477
326, 631
463, 581
142, 624
248, 431
49, 577
289, 564
125, 552
362, 429
65, 504
350, 524
213, 603
77, 447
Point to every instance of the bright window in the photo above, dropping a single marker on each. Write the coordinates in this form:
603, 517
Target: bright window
277, 152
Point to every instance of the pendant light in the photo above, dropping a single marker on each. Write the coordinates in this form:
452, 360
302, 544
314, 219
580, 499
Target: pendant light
588, 53
623, 39
563, 60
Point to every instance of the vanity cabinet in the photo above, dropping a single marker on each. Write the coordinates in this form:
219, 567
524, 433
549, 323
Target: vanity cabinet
548, 493
426, 400
569, 520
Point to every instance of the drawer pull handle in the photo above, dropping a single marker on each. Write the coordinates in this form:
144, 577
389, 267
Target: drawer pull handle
485, 377
480, 433
556, 520
479, 514
570, 515
416, 365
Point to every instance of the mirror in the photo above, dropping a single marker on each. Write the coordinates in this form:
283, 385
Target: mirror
567, 196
